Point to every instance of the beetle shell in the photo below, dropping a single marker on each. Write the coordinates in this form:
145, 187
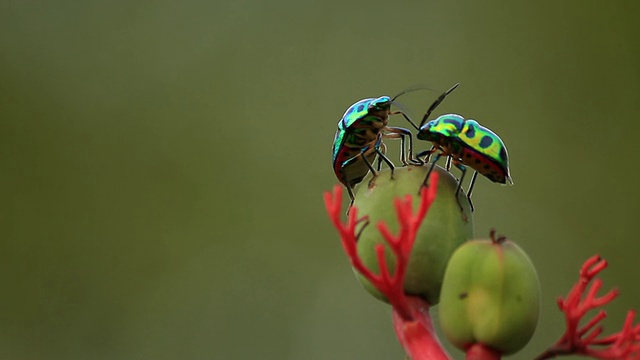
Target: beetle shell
359, 129
485, 152
471, 143
442, 131
446, 125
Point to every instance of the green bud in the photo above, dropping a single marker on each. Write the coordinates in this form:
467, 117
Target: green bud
444, 228
490, 296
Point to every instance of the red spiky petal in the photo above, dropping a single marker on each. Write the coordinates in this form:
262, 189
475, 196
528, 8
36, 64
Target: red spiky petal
586, 340
410, 314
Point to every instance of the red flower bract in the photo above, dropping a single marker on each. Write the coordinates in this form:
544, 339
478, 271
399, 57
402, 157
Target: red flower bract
392, 286
410, 314
585, 340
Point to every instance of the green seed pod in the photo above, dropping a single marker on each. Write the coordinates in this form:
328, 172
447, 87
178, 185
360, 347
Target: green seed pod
444, 228
490, 296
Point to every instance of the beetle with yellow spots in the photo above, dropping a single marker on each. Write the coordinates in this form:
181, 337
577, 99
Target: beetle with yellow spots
468, 144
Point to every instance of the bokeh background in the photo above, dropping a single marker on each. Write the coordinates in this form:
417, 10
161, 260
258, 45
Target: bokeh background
163, 164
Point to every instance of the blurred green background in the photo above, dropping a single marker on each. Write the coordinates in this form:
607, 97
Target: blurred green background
163, 163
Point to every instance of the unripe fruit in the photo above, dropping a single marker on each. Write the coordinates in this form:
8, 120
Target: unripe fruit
490, 296
445, 227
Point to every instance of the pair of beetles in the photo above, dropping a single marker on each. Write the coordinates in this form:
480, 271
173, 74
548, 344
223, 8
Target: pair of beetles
358, 142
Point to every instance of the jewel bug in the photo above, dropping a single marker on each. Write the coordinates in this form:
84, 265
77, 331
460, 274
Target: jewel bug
358, 140
466, 143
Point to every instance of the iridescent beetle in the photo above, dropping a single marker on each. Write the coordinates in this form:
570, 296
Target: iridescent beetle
467, 143
359, 140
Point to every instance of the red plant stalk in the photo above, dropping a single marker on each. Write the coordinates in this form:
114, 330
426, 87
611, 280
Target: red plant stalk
410, 314
416, 334
482, 352
585, 340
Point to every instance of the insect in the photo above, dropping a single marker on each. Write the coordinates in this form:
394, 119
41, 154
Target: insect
466, 143
358, 141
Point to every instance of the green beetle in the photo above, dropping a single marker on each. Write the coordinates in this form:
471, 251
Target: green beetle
358, 140
467, 143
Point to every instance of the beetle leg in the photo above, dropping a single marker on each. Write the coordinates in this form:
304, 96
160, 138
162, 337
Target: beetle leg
403, 155
351, 196
473, 182
433, 164
426, 154
379, 164
385, 159
383, 148
369, 165
448, 164
402, 133
464, 171
349, 187
366, 161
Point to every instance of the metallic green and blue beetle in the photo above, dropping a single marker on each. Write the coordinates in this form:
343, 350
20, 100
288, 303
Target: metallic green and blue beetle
468, 143
358, 141
465, 142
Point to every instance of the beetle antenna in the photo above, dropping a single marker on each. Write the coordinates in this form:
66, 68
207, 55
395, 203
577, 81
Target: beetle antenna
436, 103
402, 110
412, 89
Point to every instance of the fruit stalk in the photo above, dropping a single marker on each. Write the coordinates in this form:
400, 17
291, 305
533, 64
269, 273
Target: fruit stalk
416, 334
